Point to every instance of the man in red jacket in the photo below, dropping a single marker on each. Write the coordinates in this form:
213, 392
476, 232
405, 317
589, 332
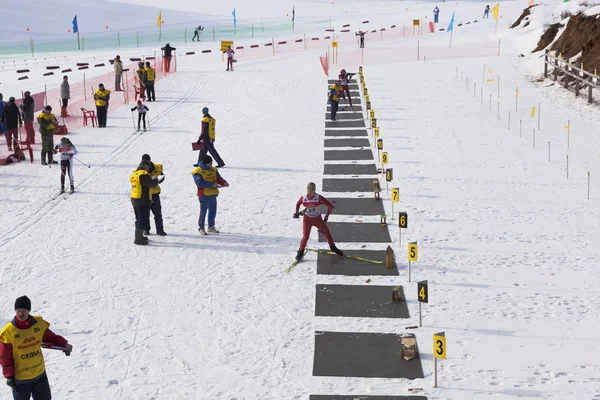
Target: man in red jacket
21, 353
312, 202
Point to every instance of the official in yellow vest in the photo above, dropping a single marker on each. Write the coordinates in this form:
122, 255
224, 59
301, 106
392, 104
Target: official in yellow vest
48, 124
150, 76
208, 180
102, 96
334, 97
156, 170
141, 199
207, 137
21, 352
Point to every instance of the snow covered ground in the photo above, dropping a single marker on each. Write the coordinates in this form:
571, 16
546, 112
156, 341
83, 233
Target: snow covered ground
509, 245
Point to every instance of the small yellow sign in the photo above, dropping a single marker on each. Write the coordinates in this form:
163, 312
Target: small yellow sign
360, 70
384, 158
532, 112
368, 105
413, 251
416, 22
225, 44
376, 132
379, 144
334, 44
372, 114
365, 91
374, 123
439, 345
395, 195
367, 98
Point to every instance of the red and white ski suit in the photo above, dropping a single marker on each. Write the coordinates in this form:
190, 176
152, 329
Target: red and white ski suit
344, 79
312, 217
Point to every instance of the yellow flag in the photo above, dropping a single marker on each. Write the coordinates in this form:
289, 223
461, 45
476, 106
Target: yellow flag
532, 112
159, 20
495, 10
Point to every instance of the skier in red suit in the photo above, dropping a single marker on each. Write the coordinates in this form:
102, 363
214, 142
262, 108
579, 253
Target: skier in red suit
345, 78
312, 203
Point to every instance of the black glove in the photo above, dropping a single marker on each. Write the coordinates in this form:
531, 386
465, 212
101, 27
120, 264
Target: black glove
12, 382
70, 155
325, 219
199, 142
296, 215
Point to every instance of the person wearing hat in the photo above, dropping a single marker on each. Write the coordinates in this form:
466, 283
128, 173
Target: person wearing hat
334, 97
156, 170
48, 123
21, 354
141, 109
102, 96
167, 54
28, 109
67, 151
11, 119
140, 74
141, 198
150, 76
65, 95
118, 66
208, 180
207, 136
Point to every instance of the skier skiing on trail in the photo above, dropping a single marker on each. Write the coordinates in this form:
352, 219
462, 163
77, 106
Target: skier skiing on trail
344, 78
67, 150
141, 109
208, 180
230, 54
21, 356
312, 217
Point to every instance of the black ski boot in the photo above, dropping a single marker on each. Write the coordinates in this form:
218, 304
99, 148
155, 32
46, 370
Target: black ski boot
300, 255
62, 189
336, 250
72, 189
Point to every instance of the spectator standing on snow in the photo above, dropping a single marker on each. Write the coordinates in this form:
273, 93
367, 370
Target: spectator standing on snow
312, 217
2, 104
21, 354
361, 36
156, 170
28, 109
150, 76
141, 109
11, 119
197, 32
167, 55
67, 150
208, 180
486, 12
118, 65
141, 77
102, 96
141, 183
334, 97
65, 95
48, 123
436, 13
207, 137
230, 54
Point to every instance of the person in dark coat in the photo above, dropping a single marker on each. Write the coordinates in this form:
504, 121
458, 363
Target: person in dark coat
167, 55
28, 110
207, 138
11, 119
141, 199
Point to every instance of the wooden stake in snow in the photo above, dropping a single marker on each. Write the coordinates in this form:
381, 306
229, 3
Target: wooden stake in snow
498, 111
588, 185
509, 120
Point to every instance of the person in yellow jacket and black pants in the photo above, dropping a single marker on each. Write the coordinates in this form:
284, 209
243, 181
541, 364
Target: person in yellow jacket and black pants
150, 76
21, 355
207, 139
48, 124
141, 199
334, 97
102, 96
156, 170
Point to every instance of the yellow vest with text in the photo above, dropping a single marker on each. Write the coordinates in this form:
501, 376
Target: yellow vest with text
48, 117
209, 175
150, 74
136, 186
157, 171
337, 89
212, 124
101, 93
28, 359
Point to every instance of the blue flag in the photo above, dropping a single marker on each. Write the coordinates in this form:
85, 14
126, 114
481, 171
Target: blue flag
234, 19
451, 24
75, 28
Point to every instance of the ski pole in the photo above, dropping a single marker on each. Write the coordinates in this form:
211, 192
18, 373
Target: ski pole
133, 120
149, 128
81, 162
61, 348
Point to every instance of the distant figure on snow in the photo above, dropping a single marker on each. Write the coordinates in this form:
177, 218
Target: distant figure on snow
27, 108
486, 12
167, 55
436, 14
141, 109
361, 36
207, 137
65, 95
197, 32
118, 64
230, 54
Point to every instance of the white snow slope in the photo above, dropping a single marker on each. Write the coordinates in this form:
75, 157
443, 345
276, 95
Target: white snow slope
509, 245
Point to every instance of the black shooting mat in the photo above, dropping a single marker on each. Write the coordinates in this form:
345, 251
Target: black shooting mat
350, 169
363, 355
346, 132
361, 232
357, 206
359, 301
328, 264
348, 155
345, 116
347, 108
349, 185
361, 397
347, 143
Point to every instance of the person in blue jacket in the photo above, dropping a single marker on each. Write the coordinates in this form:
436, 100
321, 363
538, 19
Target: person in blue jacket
208, 180
436, 13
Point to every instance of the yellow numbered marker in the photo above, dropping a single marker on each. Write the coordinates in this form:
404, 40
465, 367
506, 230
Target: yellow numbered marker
380, 144
413, 251
365, 91
389, 174
423, 292
439, 345
372, 114
384, 158
403, 220
367, 99
374, 123
395, 195
360, 70
376, 132
368, 105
